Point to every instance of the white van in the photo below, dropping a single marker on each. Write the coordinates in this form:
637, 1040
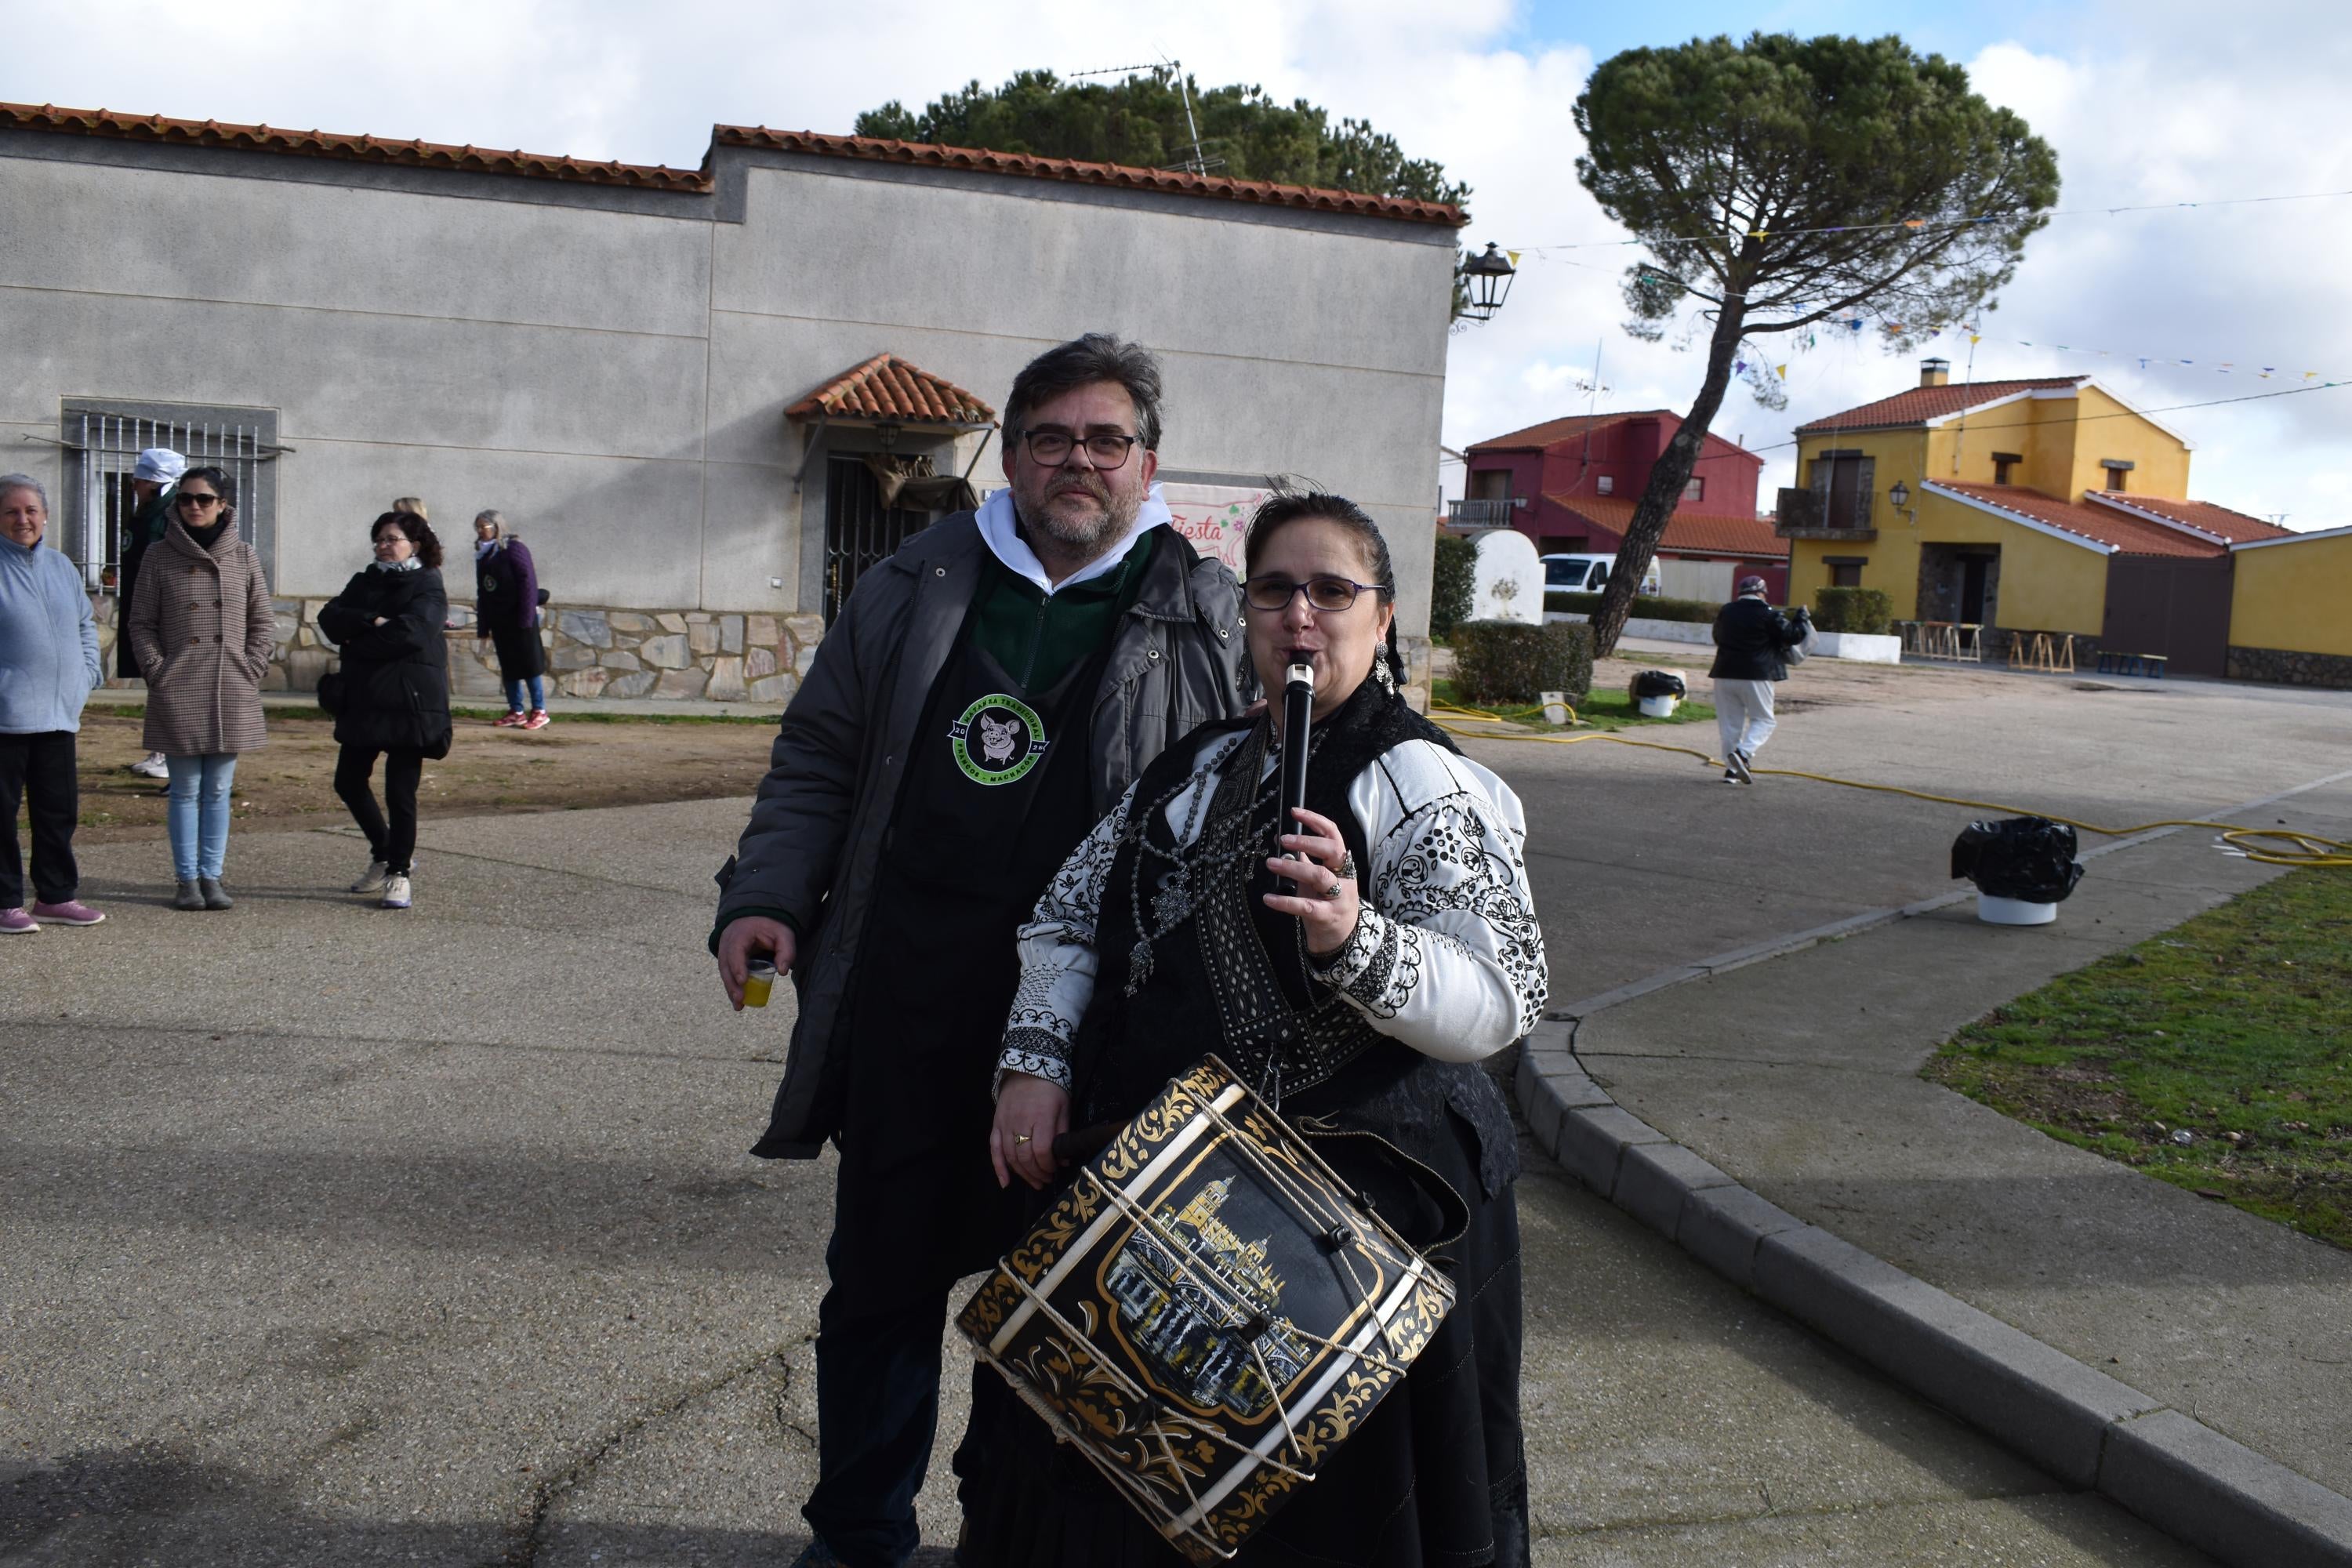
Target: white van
1589, 573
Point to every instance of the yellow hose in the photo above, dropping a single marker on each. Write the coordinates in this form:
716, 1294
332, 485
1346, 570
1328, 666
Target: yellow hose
2305, 849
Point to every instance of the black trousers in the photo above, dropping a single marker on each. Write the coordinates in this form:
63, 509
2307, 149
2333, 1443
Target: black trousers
38, 770
394, 844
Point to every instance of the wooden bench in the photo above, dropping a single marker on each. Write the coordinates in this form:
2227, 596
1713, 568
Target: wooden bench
2114, 661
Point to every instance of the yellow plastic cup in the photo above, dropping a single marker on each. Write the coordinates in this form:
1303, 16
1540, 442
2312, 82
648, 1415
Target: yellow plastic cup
758, 980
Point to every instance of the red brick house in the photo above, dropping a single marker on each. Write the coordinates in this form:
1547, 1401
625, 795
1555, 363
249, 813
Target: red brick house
1571, 485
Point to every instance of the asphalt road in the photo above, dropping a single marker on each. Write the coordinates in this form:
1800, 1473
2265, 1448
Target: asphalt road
430, 1238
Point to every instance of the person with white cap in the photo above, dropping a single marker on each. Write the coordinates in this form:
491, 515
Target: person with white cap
1752, 641
152, 477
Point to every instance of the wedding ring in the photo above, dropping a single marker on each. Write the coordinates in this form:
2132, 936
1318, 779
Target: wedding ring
1021, 1138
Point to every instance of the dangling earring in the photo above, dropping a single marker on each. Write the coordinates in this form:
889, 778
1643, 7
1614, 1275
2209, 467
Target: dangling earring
1383, 673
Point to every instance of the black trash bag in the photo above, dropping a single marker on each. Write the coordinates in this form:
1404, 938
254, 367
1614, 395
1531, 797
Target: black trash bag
2031, 859
1657, 683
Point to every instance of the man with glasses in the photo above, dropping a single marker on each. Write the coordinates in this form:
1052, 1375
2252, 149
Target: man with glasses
985, 697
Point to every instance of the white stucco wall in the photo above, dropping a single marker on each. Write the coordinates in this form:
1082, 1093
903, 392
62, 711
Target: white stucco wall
614, 380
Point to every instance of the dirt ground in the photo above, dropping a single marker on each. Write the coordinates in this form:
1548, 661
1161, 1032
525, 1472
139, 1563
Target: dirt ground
567, 766
575, 763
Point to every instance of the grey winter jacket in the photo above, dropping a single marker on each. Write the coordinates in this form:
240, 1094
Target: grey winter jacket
48, 642
811, 852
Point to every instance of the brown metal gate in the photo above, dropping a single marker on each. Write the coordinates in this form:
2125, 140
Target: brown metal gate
2173, 605
859, 529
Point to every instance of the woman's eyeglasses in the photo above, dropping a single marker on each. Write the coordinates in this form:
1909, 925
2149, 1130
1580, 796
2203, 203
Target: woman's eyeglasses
1330, 593
1052, 449
199, 498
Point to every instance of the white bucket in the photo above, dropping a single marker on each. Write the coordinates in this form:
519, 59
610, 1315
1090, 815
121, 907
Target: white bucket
2013, 911
1657, 707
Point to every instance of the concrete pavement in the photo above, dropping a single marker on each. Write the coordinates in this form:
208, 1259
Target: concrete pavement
430, 1238
1797, 1076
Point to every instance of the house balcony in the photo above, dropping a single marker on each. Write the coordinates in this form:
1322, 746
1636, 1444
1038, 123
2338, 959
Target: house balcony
1484, 513
1809, 514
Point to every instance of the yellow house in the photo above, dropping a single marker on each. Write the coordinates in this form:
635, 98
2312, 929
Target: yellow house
2038, 505
2290, 609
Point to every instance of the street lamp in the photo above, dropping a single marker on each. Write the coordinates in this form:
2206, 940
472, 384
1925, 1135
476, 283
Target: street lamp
1488, 278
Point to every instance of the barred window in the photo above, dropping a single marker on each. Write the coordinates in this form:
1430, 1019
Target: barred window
102, 441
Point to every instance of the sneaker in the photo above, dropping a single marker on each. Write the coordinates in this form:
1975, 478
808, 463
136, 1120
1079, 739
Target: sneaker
1729, 777
507, 721
17, 923
72, 912
152, 766
1738, 768
538, 720
396, 893
372, 879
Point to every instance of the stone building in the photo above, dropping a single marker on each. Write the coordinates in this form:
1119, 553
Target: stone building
705, 398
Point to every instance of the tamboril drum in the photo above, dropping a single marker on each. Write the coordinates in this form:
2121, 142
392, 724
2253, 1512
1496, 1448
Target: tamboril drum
1207, 1312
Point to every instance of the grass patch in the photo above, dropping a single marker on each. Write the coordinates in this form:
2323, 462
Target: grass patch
1599, 710
2234, 1029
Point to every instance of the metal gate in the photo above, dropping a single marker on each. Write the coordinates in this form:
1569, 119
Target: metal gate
859, 529
102, 443
2177, 606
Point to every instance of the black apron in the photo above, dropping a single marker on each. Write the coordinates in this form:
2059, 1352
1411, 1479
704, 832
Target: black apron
996, 795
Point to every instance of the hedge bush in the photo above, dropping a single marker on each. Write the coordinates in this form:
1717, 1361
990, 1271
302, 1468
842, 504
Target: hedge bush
1453, 575
1511, 662
1644, 608
1866, 610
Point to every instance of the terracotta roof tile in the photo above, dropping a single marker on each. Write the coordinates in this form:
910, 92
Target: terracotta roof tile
357, 149
2234, 526
888, 387
1920, 404
1174, 182
1717, 534
540, 165
1552, 430
2101, 524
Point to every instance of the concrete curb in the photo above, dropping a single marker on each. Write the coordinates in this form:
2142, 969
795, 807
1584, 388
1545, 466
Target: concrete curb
2083, 1426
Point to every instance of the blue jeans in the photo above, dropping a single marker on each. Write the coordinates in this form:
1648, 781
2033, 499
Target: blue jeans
534, 688
198, 814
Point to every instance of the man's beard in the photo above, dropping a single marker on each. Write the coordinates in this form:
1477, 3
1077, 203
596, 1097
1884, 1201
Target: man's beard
1096, 533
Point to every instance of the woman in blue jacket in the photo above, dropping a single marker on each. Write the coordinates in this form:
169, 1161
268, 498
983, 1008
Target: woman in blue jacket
48, 666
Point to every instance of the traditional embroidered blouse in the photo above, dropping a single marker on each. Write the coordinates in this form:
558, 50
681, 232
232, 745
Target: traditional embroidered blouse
1448, 955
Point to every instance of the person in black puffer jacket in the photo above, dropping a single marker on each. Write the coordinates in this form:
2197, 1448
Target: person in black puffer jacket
388, 622
1752, 641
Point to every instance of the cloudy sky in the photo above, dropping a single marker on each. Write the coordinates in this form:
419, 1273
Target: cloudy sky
2145, 101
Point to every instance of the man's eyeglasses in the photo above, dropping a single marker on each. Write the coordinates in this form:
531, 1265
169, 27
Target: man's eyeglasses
1330, 593
1052, 449
199, 498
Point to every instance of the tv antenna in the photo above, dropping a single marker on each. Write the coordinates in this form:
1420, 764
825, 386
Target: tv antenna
1196, 160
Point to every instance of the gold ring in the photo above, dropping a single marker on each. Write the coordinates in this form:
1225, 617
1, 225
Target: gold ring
1021, 1138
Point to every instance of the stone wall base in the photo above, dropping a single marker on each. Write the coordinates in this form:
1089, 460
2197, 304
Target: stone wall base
679, 655
2285, 668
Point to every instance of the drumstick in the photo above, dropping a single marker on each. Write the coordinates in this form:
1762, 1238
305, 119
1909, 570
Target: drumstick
1297, 709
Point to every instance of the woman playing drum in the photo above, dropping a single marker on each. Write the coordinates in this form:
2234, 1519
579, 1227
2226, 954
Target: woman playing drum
1360, 1001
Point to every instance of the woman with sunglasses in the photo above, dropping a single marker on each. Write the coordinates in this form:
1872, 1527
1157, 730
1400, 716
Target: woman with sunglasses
387, 625
1406, 949
202, 630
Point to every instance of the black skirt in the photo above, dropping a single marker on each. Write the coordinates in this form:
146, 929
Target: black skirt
519, 654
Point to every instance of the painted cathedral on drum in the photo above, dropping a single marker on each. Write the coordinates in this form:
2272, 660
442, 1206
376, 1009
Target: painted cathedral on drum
1189, 1292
